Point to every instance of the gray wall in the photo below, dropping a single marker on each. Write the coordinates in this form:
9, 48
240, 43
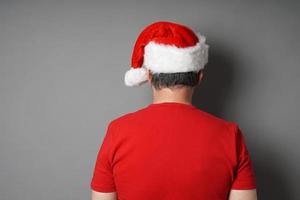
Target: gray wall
62, 65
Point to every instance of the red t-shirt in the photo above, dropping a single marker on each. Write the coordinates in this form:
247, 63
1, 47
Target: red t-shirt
170, 151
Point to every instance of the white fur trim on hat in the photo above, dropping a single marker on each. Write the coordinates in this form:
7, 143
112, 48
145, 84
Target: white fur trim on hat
162, 58
135, 76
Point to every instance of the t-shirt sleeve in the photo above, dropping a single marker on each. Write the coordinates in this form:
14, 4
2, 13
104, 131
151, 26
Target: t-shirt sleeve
102, 179
244, 173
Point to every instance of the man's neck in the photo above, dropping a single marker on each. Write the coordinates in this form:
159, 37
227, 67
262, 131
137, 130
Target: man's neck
180, 95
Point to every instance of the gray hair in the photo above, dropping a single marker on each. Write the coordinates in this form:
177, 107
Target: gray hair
171, 80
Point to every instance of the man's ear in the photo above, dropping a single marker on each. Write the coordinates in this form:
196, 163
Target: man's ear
149, 76
200, 76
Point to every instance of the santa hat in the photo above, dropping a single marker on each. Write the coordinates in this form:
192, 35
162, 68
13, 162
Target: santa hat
166, 47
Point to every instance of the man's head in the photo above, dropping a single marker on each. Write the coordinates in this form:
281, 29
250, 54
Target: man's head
178, 86
171, 51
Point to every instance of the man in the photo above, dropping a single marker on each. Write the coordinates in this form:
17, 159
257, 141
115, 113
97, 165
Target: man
171, 150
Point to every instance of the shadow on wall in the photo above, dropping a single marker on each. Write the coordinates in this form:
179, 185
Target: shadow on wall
211, 96
270, 177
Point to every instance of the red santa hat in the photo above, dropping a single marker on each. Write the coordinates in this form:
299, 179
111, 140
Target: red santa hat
166, 47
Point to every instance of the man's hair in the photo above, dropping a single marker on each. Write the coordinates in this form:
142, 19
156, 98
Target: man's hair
171, 80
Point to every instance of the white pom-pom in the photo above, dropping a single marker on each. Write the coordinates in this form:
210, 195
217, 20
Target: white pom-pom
135, 76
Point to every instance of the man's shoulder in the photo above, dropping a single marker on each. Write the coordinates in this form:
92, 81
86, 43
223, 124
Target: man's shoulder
215, 121
220, 127
127, 118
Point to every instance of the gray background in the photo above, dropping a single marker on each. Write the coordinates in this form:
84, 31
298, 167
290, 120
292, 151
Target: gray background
62, 65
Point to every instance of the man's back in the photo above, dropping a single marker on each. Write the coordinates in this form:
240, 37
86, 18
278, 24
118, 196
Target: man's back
172, 151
